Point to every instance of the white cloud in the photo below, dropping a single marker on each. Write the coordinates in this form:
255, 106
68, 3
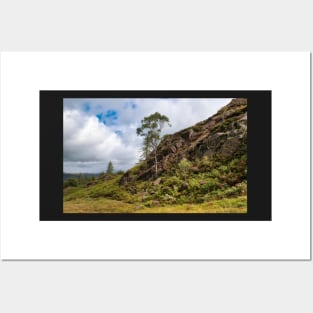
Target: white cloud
89, 145
99, 130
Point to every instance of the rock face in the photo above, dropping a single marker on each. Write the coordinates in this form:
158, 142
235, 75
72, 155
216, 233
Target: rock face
222, 136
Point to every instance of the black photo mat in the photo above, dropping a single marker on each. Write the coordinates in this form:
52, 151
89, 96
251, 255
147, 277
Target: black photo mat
259, 186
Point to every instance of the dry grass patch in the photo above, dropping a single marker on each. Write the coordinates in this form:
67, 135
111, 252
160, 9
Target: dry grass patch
103, 205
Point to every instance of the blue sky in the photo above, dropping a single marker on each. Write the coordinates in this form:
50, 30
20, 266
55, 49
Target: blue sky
97, 131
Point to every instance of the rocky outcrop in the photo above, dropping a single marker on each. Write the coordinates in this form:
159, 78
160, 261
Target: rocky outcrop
222, 136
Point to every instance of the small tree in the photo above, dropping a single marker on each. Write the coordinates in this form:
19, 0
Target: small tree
110, 168
71, 182
151, 127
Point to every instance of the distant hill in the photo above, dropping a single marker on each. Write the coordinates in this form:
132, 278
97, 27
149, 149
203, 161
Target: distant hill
83, 175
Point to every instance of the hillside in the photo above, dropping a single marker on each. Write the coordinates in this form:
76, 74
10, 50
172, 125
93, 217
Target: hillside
221, 137
202, 168
77, 176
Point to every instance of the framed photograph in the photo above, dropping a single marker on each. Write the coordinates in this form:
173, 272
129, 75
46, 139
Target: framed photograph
155, 156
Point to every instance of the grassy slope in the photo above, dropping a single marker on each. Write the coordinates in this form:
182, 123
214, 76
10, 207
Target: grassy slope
106, 196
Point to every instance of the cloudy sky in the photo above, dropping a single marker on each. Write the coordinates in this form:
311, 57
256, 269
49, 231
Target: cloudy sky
99, 130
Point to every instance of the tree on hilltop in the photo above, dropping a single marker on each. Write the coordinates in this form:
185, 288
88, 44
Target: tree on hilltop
150, 130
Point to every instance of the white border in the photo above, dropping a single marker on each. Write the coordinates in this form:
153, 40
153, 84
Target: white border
23, 236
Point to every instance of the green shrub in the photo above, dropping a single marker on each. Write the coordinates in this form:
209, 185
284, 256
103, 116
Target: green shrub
148, 203
71, 182
205, 164
224, 169
237, 190
184, 167
172, 191
182, 199
215, 173
210, 185
193, 185
173, 182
